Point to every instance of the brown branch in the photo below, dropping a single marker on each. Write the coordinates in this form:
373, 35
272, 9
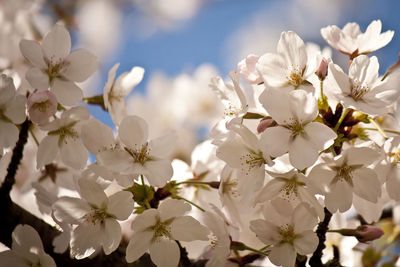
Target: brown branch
316, 258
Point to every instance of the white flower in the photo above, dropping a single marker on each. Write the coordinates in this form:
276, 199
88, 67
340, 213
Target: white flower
350, 40
392, 150
12, 111
362, 89
96, 215
289, 230
232, 96
155, 230
347, 174
55, 67
41, 106
290, 67
140, 156
247, 69
296, 131
293, 187
245, 152
116, 90
64, 136
27, 249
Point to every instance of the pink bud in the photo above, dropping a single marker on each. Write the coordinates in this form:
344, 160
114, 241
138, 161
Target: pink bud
264, 124
365, 233
322, 70
247, 69
41, 106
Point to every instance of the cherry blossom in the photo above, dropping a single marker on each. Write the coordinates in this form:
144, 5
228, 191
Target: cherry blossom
95, 215
55, 67
155, 230
27, 249
351, 41
289, 230
138, 155
116, 90
362, 89
41, 106
296, 131
12, 111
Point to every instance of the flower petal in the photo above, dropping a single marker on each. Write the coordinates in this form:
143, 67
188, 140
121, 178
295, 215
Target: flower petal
111, 236
84, 240
138, 245
171, 208
15, 111
283, 254
8, 134
47, 151
74, 153
56, 44
133, 132
306, 243
275, 140
82, 64
144, 220
159, 172
120, 205
366, 184
24, 238
70, 209
340, 198
67, 92
92, 192
186, 228
32, 51
96, 136
302, 153
38, 79
165, 253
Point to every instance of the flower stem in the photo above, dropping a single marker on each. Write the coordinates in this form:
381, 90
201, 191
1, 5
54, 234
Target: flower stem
371, 120
146, 202
33, 136
385, 130
190, 202
341, 119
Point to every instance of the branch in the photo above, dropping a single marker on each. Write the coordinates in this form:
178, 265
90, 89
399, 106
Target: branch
315, 259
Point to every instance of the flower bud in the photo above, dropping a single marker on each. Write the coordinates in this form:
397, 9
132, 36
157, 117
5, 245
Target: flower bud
322, 71
365, 233
264, 124
247, 69
41, 106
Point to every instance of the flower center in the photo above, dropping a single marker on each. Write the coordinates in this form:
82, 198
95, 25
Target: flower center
230, 187
252, 160
140, 155
357, 90
55, 68
297, 128
161, 229
395, 156
344, 173
42, 106
290, 188
287, 233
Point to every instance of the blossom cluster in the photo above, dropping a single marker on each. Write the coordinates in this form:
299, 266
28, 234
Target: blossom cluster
295, 139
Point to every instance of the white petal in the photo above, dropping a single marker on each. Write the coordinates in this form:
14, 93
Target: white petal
120, 205
303, 106
56, 44
270, 190
112, 235
144, 220
302, 153
9, 258
273, 69
265, 231
159, 172
371, 212
231, 152
84, 240
74, 153
306, 243
291, 47
276, 102
283, 254
128, 80
393, 183
138, 245
92, 192
133, 132
170, 208
81, 65
8, 134
7, 90
67, 92
275, 140
165, 253
15, 111
116, 160
32, 51
340, 198
364, 69
70, 209
161, 147
186, 228
321, 135
361, 156
24, 238
38, 79
366, 184
304, 218
96, 136
47, 151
